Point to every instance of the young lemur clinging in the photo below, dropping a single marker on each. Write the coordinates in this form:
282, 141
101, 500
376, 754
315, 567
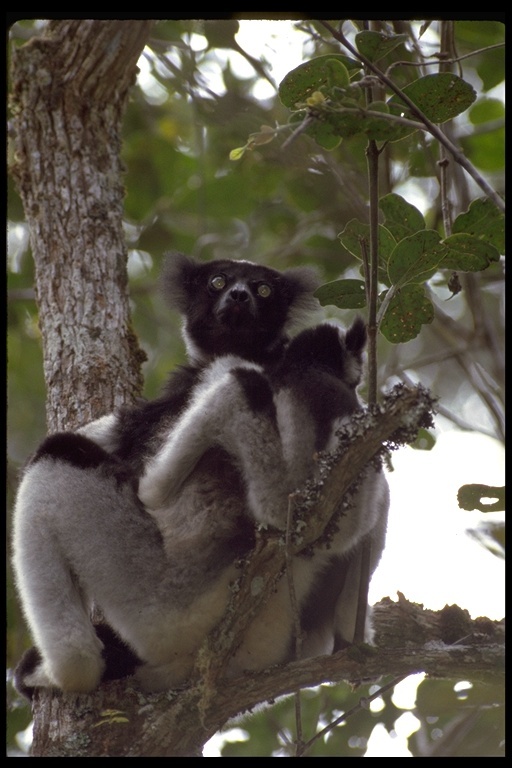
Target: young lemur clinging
146, 512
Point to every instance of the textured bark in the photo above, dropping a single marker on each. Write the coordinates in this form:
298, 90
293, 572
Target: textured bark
69, 92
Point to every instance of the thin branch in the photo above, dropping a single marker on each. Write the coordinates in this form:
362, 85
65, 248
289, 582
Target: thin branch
291, 583
452, 416
390, 295
397, 119
447, 43
443, 164
363, 703
372, 156
296, 620
480, 386
483, 325
436, 57
172, 723
482, 654
303, 126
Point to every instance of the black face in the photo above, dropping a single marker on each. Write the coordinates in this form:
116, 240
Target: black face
237, 307
240, 308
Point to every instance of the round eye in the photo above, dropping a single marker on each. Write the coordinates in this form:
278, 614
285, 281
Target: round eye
264, 290
217, 282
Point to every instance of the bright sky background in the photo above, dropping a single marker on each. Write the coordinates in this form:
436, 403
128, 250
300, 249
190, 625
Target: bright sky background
429, 556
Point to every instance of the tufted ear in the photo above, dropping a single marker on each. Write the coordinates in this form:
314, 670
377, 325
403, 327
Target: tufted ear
177, 280
302, 282
356, 337
355, 343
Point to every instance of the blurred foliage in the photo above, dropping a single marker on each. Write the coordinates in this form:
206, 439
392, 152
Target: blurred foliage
197, 98
453, 719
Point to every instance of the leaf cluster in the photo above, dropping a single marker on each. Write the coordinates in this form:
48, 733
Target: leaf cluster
411, 255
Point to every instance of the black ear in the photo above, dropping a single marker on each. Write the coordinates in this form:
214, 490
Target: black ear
178, 278
356, 337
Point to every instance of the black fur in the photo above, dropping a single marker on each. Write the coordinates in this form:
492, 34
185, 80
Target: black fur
119, 659
235, 318
25, 666
73, 449
257, 391
315, 361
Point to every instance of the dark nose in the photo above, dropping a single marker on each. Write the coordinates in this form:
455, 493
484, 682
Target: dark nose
239, 294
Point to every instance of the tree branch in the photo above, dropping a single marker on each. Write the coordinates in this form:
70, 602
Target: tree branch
410, 639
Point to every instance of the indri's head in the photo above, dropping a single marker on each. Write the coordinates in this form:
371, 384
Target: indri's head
237, 307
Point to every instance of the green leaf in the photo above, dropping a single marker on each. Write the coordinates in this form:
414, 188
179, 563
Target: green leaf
491, 68
416, 258
479, 36
486, 150
402, 218
238, 153
320, 130
343, 124
337, 74
440, 97
467, 253
381, 129
265, 135
486, 110
356, 234
357, 231
472, 496
483, 220
346, 294
425, 440
221, 32
406, 313
318, 74
375, 45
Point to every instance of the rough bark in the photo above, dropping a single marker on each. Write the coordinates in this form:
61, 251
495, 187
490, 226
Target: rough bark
69, 90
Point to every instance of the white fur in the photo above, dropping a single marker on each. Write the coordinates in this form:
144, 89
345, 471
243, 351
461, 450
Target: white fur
181, 449
101, 431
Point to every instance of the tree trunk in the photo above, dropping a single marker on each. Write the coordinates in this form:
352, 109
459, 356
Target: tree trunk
69, 91
70, 88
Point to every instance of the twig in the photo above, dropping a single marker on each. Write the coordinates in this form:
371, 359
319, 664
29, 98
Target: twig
363, 703
296, 621
304, 125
